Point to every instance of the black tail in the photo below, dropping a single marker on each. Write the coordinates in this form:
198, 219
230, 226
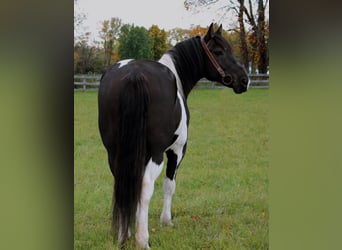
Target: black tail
132, 153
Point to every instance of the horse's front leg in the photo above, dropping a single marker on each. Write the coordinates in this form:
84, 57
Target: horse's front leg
169, 187
174, 157
152, 172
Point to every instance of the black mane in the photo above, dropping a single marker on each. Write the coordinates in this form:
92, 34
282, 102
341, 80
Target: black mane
188, 59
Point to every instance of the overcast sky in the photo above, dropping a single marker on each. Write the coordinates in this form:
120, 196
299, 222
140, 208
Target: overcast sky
167, 14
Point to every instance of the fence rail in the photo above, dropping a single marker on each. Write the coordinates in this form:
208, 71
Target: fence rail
92, 82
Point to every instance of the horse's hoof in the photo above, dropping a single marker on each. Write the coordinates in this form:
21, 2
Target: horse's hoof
147, 247
143, 245
166, 223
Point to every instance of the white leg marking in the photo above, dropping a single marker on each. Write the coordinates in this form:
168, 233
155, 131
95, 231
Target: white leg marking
124, 62
152, 172
169, 189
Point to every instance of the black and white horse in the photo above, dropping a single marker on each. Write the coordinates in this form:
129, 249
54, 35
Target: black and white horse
143, 114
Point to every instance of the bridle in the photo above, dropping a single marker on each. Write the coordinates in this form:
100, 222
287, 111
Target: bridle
227, 79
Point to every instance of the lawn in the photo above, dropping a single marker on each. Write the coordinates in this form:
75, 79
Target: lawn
221, 199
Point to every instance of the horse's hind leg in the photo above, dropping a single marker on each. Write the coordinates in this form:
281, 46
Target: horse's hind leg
152, 171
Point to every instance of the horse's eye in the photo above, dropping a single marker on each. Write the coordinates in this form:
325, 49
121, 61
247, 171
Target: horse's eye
218, 52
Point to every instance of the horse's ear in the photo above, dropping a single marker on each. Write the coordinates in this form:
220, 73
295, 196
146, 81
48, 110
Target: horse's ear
210, 32
219, 30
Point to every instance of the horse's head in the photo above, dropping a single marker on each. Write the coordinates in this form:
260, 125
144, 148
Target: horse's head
221, 65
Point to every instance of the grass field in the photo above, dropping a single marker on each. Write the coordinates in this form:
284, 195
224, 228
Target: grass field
221, 199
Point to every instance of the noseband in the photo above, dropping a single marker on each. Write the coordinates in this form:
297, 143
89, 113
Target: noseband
227, 79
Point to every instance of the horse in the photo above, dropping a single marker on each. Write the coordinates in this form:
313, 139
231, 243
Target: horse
143, 113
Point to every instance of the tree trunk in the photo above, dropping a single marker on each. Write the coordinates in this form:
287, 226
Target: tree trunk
108, 53
243, 42
261, 41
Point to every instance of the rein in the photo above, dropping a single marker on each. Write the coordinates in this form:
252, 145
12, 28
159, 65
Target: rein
227, 79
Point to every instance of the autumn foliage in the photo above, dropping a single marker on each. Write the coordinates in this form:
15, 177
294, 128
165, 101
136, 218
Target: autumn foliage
121, 41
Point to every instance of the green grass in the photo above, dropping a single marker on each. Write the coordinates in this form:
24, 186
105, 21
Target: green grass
221, 199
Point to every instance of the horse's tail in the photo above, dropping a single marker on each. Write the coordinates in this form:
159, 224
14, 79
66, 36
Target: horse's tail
131, 155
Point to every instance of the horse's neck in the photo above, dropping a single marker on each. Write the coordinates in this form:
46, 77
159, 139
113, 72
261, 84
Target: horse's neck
187, 61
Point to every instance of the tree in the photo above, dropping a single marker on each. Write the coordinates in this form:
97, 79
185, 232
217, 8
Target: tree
258, 24
261, 38
86, 58
159, 41
242, 32
109, 34
79, 18
135, 42
177, 35
235, 40
198, 31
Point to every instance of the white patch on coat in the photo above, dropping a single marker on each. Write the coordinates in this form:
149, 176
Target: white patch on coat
167, 61
124, 62
152, 172
181, 131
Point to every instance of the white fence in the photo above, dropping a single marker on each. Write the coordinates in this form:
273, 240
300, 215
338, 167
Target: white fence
92, 82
